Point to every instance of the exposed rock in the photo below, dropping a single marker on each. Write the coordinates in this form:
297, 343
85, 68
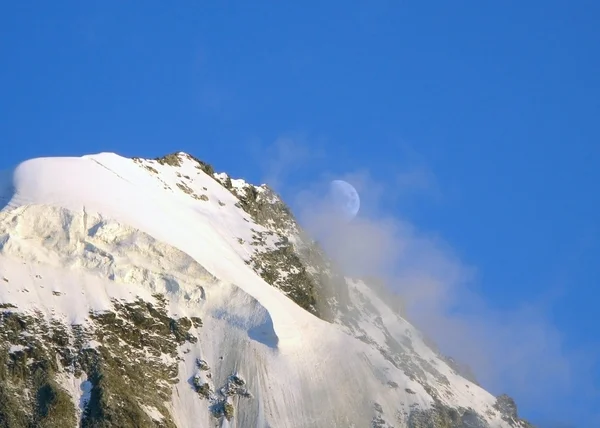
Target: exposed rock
440, 416
508, 408
135, 339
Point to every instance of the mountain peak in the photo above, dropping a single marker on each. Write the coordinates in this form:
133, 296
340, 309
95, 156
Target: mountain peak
174, 296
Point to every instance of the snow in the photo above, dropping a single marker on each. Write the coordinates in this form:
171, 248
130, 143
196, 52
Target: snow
16, 348
79, 388
152, 412
104, 227
92, 344
464, 393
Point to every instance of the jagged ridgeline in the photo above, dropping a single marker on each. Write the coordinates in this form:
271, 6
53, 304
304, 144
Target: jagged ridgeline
295, 264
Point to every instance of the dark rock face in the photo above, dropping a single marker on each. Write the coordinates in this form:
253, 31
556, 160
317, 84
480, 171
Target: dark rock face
506, 405
126, 369
508, 408
174, 159
282, 268
446, 417
30, 363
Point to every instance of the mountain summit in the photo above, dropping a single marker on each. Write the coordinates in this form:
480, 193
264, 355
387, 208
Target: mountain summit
158, 293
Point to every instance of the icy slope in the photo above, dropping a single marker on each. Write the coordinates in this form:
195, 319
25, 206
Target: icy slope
166, 266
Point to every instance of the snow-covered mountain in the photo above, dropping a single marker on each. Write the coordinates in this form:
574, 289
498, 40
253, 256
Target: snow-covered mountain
158, 293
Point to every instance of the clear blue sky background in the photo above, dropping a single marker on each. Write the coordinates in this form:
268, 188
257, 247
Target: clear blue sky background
499, 100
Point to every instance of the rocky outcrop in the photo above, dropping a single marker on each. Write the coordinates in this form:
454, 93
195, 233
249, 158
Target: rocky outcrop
508, 408
113, 356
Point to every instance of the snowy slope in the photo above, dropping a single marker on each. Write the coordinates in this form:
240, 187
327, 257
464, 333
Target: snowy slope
80, 235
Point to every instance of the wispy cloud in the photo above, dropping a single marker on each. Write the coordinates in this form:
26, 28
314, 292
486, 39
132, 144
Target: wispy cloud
418, 179
518, 350
286, 156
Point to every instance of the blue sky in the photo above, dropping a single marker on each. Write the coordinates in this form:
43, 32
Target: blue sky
482, 117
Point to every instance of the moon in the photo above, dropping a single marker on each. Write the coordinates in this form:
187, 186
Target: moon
345, 198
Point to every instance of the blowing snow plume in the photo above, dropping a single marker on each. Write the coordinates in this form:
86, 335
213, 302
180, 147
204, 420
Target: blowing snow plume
517, 350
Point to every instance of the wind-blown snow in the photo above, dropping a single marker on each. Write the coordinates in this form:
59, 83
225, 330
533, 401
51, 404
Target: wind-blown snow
78, 232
